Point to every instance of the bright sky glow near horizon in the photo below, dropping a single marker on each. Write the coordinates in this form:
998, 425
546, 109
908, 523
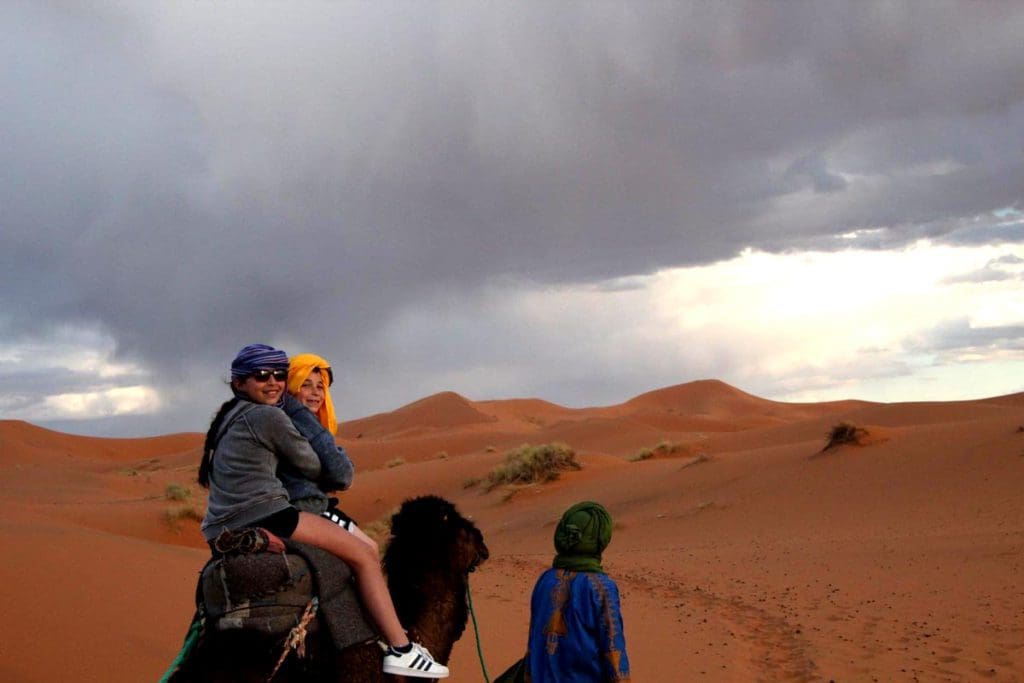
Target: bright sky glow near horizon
577, 202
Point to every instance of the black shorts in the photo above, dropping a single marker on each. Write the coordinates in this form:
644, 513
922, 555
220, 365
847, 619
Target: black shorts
282, 524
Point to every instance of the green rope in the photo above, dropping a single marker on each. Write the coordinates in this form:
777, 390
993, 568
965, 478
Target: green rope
476, 631
194, 631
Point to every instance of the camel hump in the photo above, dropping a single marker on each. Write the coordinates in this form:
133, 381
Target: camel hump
267, 593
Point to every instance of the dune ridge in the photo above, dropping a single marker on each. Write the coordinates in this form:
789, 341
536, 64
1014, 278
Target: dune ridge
746, 553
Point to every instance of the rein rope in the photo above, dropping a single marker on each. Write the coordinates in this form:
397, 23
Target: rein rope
195, 630
296, 639
476, 632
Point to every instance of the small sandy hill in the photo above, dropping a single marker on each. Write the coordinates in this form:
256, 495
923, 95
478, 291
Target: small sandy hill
1007, 400
715, 399
25, 442
530, 411
923, 413
446, 410
700, 397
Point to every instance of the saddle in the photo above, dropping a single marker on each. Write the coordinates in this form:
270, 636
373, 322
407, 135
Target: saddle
253, 588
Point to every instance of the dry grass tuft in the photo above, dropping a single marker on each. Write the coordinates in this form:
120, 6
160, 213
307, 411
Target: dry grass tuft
641, 455
177, 492
533, 464
664, 448
175, 515
844, 433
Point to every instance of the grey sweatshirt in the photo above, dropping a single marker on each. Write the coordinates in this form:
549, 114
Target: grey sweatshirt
244, 488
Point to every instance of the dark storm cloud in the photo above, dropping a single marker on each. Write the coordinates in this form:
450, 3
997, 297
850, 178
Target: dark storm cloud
195, 176
813, 169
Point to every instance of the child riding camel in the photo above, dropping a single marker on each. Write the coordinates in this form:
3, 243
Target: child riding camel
308, 403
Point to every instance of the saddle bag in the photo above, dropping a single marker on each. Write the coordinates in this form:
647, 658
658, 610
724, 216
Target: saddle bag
265, 592
268, 592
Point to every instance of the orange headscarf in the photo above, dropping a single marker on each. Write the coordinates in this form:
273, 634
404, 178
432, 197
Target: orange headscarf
299, 369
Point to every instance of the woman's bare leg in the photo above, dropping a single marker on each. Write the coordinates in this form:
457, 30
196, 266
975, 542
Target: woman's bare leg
361, 535
365, 564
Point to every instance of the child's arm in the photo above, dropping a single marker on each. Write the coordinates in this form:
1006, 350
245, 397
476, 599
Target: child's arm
290, 446
336, 469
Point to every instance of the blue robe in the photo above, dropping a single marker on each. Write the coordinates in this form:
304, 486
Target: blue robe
576, 630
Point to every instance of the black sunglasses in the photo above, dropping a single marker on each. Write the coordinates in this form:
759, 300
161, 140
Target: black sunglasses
264, 375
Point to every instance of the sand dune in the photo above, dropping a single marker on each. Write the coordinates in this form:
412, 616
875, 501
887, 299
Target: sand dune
745, 554
446, 410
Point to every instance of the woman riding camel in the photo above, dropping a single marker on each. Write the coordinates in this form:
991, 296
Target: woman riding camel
249, 438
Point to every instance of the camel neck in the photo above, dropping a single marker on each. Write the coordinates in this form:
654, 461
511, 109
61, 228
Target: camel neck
443, 615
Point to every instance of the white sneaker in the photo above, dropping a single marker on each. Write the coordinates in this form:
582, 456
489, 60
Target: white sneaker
417, 662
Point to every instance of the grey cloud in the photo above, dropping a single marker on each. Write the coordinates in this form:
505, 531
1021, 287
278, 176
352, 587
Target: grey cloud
995, 270
986, 274
985, 234
958, 335
196, 176
1006, 260
814, 169
870, 364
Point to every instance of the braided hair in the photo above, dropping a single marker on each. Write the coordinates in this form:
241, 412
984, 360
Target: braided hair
210, 445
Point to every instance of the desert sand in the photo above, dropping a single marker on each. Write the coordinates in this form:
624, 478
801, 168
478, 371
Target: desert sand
746, 554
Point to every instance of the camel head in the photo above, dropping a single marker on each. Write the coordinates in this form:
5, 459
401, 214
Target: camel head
429, 534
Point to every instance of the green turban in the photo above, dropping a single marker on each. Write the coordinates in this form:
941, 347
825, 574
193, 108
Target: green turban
581, 536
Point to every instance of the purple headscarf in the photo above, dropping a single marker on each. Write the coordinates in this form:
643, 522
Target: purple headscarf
258, 357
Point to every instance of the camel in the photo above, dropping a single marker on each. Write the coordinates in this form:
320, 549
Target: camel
427, 562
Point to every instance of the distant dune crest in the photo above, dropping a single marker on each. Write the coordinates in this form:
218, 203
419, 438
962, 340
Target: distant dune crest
445, 410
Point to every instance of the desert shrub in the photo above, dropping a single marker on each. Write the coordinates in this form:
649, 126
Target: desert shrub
844, 433
173, 516
395, 463
532, 464
642, 454
177, 492
666, 447
490, 449
180, 512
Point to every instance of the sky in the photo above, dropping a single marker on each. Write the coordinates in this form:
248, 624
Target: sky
574, 201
